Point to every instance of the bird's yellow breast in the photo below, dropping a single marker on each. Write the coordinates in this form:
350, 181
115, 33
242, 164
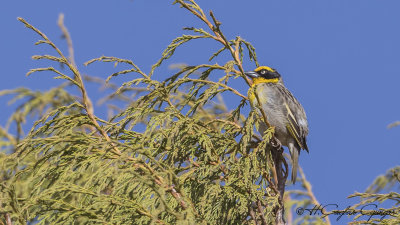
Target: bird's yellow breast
251, 95
259, 80
253, 91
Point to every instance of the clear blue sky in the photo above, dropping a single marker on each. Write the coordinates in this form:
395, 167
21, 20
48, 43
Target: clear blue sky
340, 58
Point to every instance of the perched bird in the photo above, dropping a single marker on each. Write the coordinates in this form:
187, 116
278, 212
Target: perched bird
282, 110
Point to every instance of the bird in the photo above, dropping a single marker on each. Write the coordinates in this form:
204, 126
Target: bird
282, 109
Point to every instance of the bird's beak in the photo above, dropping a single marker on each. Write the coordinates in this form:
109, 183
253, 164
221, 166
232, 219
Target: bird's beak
251, 74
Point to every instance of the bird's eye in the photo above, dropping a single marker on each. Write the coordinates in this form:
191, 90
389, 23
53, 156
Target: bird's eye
263, 72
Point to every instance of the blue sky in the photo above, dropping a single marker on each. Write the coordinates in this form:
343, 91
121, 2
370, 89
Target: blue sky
339, 58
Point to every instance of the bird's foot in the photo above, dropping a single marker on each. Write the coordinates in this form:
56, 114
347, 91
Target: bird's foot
276, 143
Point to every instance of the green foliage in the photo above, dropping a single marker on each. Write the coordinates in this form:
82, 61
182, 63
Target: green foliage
371, 200
192, 163
174, 154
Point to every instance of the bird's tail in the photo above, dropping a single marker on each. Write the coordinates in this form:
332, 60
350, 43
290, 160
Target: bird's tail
294, 155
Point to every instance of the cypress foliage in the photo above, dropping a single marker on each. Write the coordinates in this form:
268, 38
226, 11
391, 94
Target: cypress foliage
174, 154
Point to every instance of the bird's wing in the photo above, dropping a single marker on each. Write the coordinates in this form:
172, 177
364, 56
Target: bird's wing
296, 119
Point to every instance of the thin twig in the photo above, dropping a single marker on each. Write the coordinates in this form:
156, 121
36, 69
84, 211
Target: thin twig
67, 37
252, 214
218, 34
289, 213
310, 194
281, 179
224, 121
7, 217
4, 133
271, 184
220, 84
261, 212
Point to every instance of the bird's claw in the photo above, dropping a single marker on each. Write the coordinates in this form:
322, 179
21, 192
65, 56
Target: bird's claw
276, 143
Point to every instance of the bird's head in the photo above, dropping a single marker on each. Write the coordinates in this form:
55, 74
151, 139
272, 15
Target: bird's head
264, 74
